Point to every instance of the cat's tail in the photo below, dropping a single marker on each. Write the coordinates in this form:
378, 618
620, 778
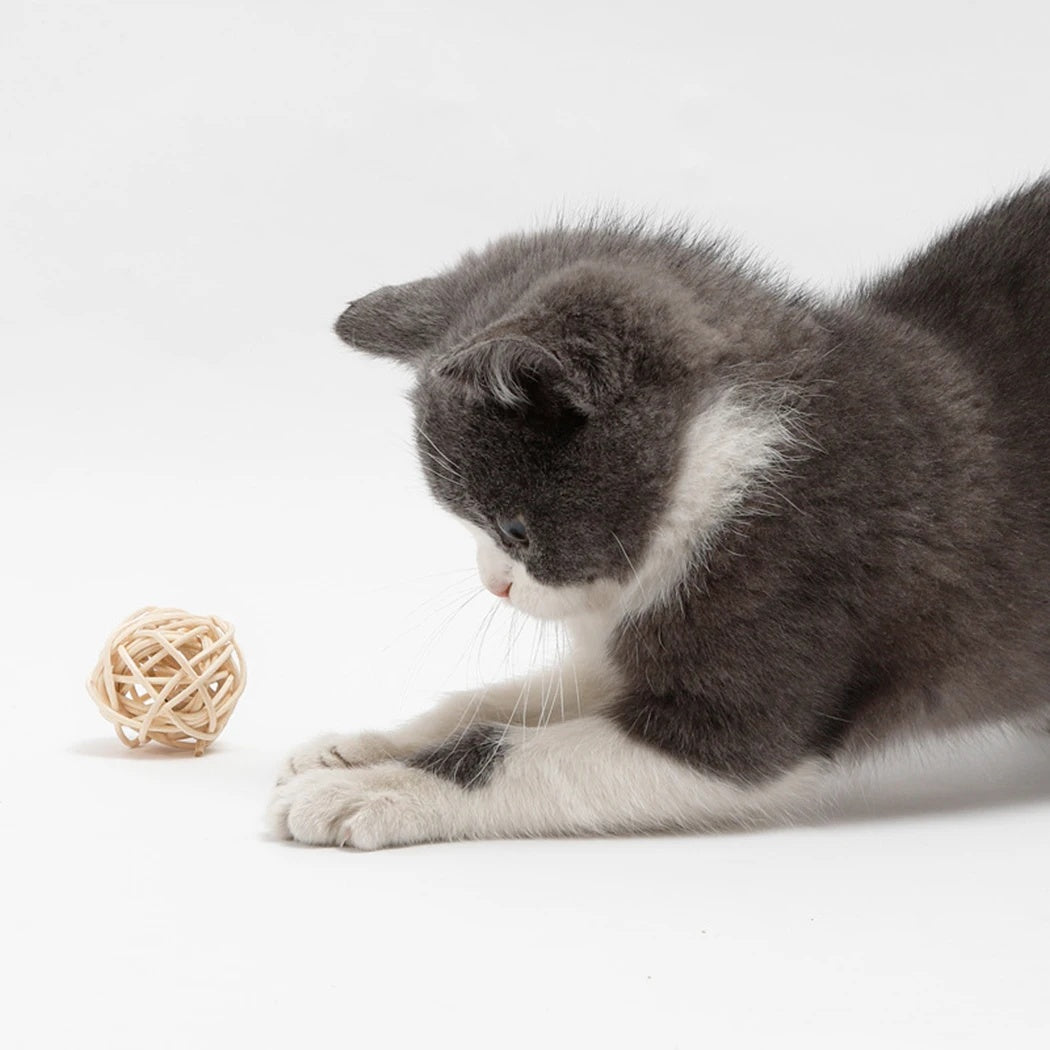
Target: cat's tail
986, 283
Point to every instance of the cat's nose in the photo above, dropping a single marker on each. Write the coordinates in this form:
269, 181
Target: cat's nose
498, 588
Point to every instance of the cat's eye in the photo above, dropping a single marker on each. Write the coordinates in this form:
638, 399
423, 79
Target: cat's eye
513, 531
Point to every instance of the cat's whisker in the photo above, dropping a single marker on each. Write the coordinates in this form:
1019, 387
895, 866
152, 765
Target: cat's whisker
557, 689
552, 670
443, 601
511, 718
535, 674
518, 624
575, 680
434, 605
561, 674
630, 612
443, 458
401, 584
442, 471
546, 678
638, 579
482, 637
451, 481
468, 715
466, 718
427, 648
435, 458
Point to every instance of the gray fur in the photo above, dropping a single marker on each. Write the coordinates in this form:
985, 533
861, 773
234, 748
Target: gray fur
896, 575
468, 758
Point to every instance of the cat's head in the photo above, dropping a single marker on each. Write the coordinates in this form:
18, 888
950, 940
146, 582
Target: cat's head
556, 405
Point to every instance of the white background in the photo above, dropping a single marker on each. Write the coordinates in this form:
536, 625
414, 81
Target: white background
190, 193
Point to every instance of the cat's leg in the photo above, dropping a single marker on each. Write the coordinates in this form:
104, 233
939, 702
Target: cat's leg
580, 776
564, 691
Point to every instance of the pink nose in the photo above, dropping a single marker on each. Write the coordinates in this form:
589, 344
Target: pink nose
500, 590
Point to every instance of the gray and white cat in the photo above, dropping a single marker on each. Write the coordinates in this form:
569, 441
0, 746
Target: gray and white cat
781, 532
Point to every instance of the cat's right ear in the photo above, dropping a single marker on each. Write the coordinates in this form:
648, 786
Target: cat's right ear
399, 321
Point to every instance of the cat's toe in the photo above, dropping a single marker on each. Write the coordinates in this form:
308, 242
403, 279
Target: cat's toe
366, 808
317, 753
335, 751
312, 806
388, 820
276, 818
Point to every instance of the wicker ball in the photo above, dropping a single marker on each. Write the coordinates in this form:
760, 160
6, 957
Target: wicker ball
169, 676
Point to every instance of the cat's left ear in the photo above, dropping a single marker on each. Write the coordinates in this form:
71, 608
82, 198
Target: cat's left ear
399, 321
516, 371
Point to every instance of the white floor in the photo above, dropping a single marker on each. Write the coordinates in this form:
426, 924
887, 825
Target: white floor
197, 189
146, 907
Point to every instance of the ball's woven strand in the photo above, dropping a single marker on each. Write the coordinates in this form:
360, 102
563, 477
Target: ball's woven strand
169, 676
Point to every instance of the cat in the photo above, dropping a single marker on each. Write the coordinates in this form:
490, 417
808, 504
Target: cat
781, 531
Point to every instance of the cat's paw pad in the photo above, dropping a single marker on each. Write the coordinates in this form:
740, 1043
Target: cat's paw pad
367, 808
336, 751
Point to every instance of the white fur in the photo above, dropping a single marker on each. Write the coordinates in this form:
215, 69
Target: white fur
568, 770
729, 448
577, 777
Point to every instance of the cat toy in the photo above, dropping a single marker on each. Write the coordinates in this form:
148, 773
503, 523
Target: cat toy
169, 676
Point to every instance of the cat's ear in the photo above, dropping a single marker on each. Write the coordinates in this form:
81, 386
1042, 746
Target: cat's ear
578, 341
516, 371
399, 321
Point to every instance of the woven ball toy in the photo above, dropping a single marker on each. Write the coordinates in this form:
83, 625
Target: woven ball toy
169, 676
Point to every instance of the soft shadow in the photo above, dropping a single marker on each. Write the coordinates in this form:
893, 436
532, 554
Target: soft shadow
944, 778
110, 747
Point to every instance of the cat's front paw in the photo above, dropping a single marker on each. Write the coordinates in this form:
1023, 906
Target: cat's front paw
337, 751
367, 808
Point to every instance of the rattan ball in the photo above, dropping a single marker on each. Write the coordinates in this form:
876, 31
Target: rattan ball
169, 676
